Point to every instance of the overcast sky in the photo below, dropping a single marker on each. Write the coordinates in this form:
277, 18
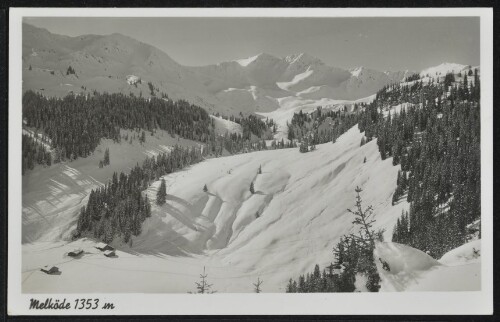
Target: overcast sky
379, 43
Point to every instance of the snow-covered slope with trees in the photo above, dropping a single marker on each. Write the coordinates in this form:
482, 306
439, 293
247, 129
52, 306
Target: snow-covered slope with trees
443, 69
291, 223
222, 213
223, 126
52, 196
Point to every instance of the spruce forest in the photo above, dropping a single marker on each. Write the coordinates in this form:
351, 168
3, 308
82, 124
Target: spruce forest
436, 141
118, 209
76, 124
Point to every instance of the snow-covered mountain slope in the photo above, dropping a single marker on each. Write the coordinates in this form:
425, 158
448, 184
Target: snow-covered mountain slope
301, 201
413, 270
223, 126
443, 69
53, 196
116, 63
289, 106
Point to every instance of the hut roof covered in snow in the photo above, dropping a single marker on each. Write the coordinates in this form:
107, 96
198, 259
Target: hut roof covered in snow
75, 252
109, 253
50, 269
103, 246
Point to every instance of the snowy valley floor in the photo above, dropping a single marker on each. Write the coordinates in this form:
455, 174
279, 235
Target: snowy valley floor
301, 202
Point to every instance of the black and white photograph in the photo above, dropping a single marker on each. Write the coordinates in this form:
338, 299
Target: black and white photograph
183, 154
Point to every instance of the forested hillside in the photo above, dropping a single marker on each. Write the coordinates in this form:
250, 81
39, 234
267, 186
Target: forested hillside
76, 124
33, 152
118, 209
322, 126
431, 129
437, 143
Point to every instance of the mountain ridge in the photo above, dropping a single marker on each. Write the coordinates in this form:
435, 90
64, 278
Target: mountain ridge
255, 84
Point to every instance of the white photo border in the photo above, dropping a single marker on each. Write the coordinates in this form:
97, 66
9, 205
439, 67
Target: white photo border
414, 303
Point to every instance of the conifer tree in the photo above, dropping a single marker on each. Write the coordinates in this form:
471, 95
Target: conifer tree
290, 287
257, 285
70, 70
252, 190
106, 157
203, 287
366, 240
205, 189
161, 195
304, 147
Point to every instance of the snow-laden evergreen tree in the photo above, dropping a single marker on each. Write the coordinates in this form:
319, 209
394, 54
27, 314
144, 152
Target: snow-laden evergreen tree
304, 147
161, 194
252, 189
205, 188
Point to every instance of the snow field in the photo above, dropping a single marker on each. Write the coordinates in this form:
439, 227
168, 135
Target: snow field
223, 126
53, 196
301, 200
413, 270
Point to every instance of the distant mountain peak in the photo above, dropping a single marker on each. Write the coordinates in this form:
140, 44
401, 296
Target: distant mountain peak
303, 58
257, 58
120, 63
357, 71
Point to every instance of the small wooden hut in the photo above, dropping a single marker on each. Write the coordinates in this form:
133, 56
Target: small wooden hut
51, 270
109, 253
104, 247
76, 252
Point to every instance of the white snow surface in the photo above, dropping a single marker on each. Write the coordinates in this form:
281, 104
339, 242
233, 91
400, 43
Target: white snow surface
132, 79
223, 126
247, 61
414, 270
443, 69
470, 252
301, 200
